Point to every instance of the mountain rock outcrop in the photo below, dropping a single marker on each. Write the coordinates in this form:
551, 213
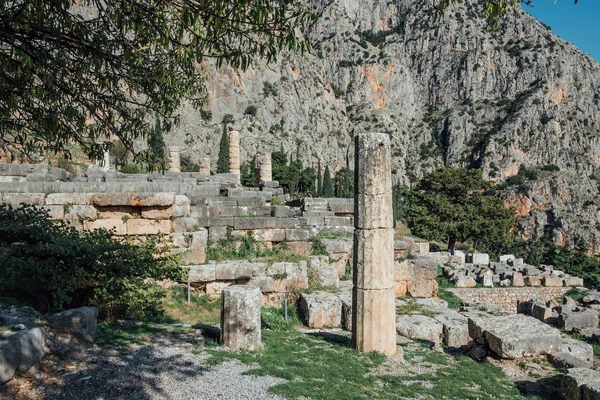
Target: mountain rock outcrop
449, 92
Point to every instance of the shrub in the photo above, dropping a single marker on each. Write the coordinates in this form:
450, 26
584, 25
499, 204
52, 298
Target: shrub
251, 110
52, 265
131, 169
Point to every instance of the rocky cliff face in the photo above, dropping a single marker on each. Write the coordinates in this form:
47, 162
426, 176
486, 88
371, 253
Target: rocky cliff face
448, 92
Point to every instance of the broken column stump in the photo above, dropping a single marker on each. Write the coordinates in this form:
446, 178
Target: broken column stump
240, 317
234, 154
373, 297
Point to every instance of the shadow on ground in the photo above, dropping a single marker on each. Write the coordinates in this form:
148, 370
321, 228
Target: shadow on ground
122, 372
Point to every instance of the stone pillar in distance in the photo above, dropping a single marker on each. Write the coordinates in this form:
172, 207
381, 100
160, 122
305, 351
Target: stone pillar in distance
240, 317
373, 297
234, 154
205, 165
174, 160
264, 170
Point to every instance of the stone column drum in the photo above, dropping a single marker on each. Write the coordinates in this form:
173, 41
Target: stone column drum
106, 165
373, 297
205, 165
174, 160
265, 169
240, 317
234, 154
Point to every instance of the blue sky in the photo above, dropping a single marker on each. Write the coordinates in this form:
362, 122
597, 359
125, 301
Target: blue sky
578, 24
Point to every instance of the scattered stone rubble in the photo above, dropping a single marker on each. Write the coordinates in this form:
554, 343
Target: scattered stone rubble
509, 272
22, 348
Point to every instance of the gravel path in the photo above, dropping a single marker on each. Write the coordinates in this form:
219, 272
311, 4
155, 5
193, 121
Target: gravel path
164, 369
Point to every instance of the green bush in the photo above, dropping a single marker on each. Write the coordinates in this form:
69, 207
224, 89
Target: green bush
131, 169
52, 265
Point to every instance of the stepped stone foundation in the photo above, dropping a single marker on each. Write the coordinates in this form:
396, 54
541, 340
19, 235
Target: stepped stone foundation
240, 317
174, 160
373, 307
234, 154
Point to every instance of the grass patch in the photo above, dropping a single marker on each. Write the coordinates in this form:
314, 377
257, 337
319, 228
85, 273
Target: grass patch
314, 368
595, 345
414, 308
444, 284
202, 309
320, 368
575, 294
273, 318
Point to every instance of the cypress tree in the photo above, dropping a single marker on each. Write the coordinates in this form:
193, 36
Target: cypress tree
319, 181
327, 184
223, 160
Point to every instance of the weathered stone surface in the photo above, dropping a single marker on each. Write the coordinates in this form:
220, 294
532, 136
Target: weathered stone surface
455, 329
578, 350
372, 157
346, 299
9, 360
374, 258
29, 346
581, 384
427, 288
466, 282
266, 284
552, 281
240, 317
68, 198
158, 199
578, 320
542, 313
198, 241
234, 154
573, 281
373, 321
15, 199
147, 227
478, 258
321, 273
424, 269
517, 279
419, 327
117, 224
164, 212
372, 211
321, 310
514, 336
202, 273
81, 321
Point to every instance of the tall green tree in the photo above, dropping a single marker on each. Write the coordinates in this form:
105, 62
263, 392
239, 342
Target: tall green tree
319, 180
328, 190
344, 183
91, 71
457, 204
223, 159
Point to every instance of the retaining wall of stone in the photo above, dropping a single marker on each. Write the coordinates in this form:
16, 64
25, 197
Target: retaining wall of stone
507, 298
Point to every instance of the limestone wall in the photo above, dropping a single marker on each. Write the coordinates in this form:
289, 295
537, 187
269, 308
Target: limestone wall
507, 298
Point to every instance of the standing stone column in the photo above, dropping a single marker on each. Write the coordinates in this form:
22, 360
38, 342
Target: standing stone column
373, 296
240, 317
234, 154
106, 165
205, 165
174, 160
266, 171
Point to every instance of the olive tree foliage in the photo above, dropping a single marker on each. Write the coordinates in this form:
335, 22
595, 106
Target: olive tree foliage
494, 9
91, 71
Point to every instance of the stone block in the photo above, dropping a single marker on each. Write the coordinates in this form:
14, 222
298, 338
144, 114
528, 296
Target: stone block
293, 235
266, 284
159, 199
424, 269
183, 224
373, 320
465, 282
321, 273
197, 247
479, 258
55, 212
29, 346
269, 235
118, 212
80, 321
321, 310
16, 199
517, 279
415, 326
372, 158
117, 224
506, 257
426, 288
581, 352
581, 384
226, 271
455, 329
552, 281
164, 212
542, 313
110, 199
533, 281
68, 199
217, 233
147, 227
515, 336
300, 248
9, 360
374, 258
576, 321
573, 281
346, 299
202, 273
240, 317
